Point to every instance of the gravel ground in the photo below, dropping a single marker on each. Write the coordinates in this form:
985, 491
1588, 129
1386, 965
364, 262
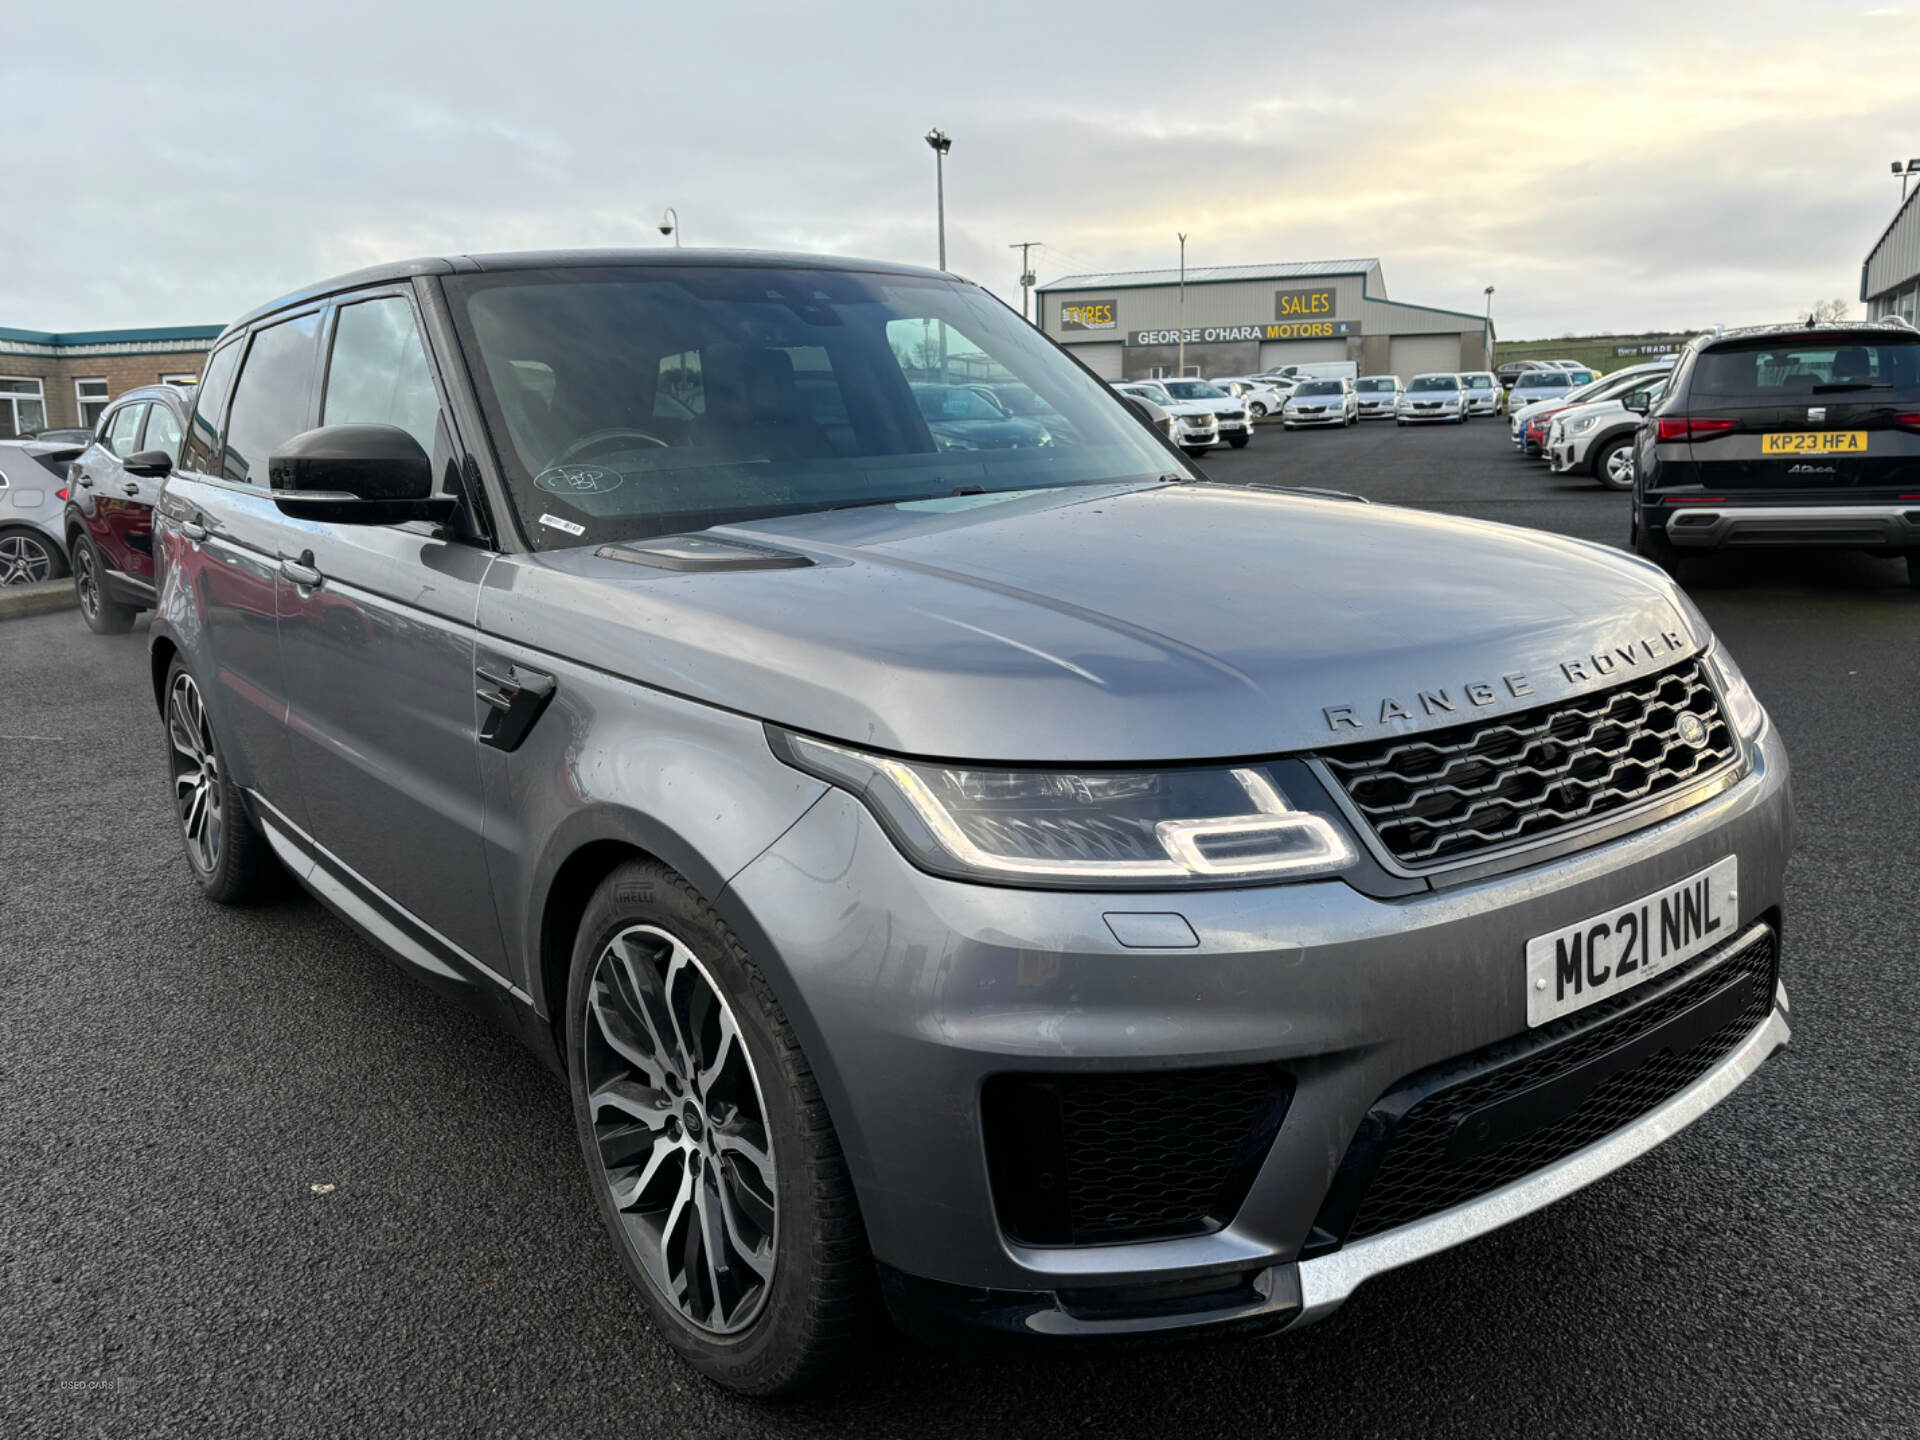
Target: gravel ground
177, 1079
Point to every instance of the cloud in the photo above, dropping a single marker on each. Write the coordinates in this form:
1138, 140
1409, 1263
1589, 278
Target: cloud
1667, 168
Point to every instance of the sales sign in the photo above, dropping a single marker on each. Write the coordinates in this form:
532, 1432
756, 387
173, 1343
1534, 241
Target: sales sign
1303, 304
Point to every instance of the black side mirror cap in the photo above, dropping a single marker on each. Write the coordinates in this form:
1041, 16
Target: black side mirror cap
148, 464
356, 475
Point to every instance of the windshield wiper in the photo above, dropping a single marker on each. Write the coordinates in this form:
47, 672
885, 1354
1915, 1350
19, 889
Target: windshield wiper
1831, 386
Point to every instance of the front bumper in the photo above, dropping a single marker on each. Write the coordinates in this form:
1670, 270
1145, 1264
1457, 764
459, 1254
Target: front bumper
911, 992
1710, 527
1427, 417
1325, 417
1568, 454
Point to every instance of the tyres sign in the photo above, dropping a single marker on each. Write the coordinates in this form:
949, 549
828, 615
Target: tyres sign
1088, 315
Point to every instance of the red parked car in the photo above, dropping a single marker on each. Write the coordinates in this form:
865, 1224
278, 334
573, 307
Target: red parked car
111, 489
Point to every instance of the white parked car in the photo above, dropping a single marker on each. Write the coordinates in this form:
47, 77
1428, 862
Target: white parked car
1230, 412
1378, 395
1524, 403
1432, 398
1263, 397
1597, 437
33, 493
1196, 428
1321, 402
1485, 395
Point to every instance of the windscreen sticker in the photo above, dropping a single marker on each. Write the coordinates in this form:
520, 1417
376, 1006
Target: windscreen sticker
577, 480
567, 525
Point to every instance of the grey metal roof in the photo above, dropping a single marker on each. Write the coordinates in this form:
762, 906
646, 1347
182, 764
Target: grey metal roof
1203, 274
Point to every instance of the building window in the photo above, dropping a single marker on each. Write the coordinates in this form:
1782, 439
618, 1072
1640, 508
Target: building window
183, 378
92, 397
23, 407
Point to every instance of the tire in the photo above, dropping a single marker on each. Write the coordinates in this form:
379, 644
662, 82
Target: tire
27, 557
650, 946
227, 853
1613, 466
1913, 568
1259, 410
104, 616
1398, 421
1653, 545
1238, 442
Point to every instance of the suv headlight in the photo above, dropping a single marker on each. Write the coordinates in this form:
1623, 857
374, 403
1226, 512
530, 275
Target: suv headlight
1744, 709
1584, 424
1091, 829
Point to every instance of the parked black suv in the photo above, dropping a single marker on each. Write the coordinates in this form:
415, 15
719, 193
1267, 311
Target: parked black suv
1784, 435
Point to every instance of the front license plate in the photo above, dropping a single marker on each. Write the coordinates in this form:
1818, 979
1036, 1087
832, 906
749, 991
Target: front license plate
1584, 963
1815, 442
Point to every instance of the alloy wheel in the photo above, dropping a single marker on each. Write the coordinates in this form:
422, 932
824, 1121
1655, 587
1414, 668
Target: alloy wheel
680, 1129
24, 560
196, 773
1619, 467
86, 583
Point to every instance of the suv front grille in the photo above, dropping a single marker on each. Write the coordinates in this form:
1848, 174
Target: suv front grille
1455, 794
1459, 1130
1144, 1155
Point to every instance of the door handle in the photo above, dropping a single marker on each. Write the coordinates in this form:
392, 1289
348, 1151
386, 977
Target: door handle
514, 701
131, 488
300, 570
193, 530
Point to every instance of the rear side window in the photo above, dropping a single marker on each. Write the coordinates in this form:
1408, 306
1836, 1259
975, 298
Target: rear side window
378, 374
271, 402
1788, 370
203, 430
123, 430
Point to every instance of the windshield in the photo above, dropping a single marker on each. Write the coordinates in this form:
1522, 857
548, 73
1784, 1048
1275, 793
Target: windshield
1194, 390
634, 401
1376, 384
1318, 387
1544, 380
1479, 382
1434, 382
1785, 369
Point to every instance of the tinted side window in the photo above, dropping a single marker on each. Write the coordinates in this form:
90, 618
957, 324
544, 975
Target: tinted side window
270, 404
123, 430
163, 432
203, 430
378, 374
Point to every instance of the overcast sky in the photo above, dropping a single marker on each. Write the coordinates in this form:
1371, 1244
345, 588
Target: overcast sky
1637, 166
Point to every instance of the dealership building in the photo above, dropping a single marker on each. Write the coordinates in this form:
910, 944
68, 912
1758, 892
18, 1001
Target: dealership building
1242, 319
62, 379
1890, 280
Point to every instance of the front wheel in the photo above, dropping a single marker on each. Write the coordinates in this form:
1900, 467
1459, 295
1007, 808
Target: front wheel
1238, 442
1913, 568
1259, 411
710, 1151
1613, 466
104, 615
228, 855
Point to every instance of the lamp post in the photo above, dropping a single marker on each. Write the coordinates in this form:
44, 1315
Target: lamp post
1912, 167
1180, 365
670, 224
1486, 333
938, 140
1026, 272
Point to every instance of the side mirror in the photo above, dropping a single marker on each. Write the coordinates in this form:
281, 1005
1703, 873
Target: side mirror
1639, 402
148, 464
356, 475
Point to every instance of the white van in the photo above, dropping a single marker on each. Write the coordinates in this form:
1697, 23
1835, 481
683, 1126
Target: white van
1319, 370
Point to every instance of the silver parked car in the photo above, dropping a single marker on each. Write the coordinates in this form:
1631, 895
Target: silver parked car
1378, 395
1321, 402
33, 487
1430, 398
1485, 396
1034, 889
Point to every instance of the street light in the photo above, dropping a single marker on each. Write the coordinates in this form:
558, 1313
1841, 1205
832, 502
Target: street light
1912, 167
1486, 334
670, 224
941, 145
1180, 365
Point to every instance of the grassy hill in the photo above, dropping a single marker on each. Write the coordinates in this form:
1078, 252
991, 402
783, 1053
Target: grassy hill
1593, 350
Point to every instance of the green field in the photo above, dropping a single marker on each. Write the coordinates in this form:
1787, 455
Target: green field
1594, 350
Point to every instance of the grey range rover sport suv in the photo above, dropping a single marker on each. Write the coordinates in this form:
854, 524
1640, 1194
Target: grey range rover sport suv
1035, 891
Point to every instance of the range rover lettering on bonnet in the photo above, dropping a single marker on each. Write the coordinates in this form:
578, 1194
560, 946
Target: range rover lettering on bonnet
1516, 684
